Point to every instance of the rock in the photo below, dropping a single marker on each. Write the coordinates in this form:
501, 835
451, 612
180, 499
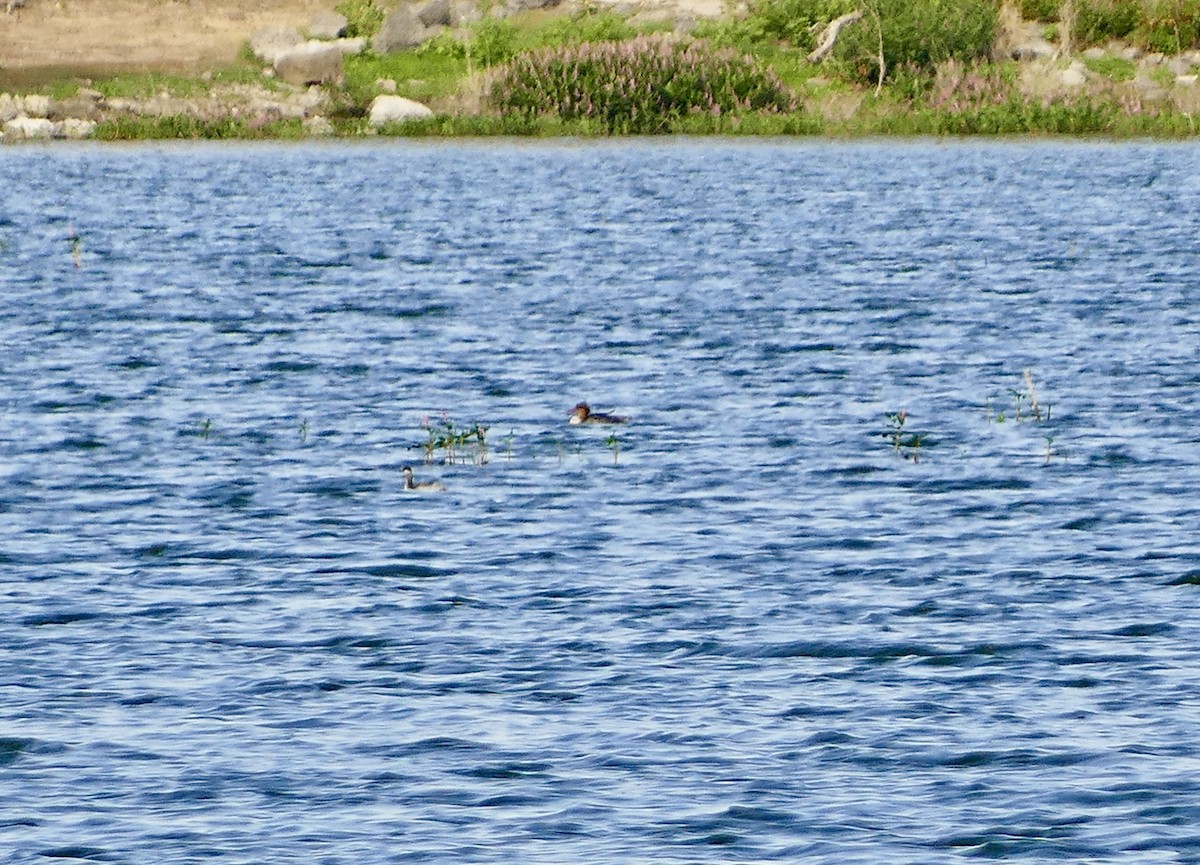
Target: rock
327, 25
1074, 75
401, 29
1179, 66
10, 106
1186, 80
1031, 46
348, 47
74, 128
36, 105
84, 108
396, 109
435, 13
24, 127
311, 63
317, 126
385, 85
528, 5
270, 43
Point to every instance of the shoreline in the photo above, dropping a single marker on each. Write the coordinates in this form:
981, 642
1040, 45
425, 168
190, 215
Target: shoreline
432, 88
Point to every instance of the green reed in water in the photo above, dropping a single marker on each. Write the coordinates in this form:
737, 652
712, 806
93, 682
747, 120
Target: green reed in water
457, 444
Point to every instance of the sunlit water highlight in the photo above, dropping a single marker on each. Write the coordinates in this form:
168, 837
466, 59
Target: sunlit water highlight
757, 631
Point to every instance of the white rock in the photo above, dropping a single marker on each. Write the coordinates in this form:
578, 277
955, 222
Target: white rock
396, 109
74, 128
349, 47
1074, 75
317, 126
36, 105
28, 127
1186, 80
10, 107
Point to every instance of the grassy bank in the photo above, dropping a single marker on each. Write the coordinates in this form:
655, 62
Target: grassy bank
1120, 68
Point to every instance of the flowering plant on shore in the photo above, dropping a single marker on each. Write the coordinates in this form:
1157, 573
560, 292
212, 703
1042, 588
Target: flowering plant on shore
639, 86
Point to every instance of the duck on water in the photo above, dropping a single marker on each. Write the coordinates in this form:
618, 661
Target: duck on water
423, 486
582, 413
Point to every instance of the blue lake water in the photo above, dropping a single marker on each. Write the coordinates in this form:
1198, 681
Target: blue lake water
744, 627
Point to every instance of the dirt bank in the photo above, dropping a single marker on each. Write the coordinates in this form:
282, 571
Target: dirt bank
123, 34
81, 35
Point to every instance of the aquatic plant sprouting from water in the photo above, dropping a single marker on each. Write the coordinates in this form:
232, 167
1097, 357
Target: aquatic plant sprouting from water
1025, 403
614, 445
456, 444
76, 243
904, 441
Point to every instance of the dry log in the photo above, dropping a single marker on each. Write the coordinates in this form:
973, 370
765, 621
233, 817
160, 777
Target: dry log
830, 34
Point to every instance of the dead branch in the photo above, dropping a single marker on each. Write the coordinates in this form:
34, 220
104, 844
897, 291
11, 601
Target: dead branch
830, 34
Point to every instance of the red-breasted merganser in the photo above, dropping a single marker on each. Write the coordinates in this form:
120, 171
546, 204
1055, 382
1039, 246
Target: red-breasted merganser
583, 414
425, 486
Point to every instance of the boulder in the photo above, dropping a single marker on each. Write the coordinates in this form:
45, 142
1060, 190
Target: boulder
350, 46
10, 106
76, 106
1074, 75
396, 109
36, 105
269, 43
1180, 65
311, 63
75, 128
327, 25
435, 13
318, 126
28, 127
515, 6
401, 29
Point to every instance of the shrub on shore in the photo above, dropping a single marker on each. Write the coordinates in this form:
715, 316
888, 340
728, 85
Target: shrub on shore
641, 86
1101, 20
919, 35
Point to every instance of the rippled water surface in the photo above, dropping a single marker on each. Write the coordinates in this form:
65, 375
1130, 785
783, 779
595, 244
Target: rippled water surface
744, 627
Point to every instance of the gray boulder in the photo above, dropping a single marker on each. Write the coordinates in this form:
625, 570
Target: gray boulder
514, 6
401, 29
327, 25
311, 63
85, 105
435, 13
10, 106
396, 109
270, 43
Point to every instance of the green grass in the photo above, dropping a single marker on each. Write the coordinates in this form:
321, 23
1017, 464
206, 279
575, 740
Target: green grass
1112, 68
193, 128
426, 78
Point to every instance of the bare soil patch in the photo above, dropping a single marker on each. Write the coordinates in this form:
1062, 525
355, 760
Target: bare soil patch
138, 34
